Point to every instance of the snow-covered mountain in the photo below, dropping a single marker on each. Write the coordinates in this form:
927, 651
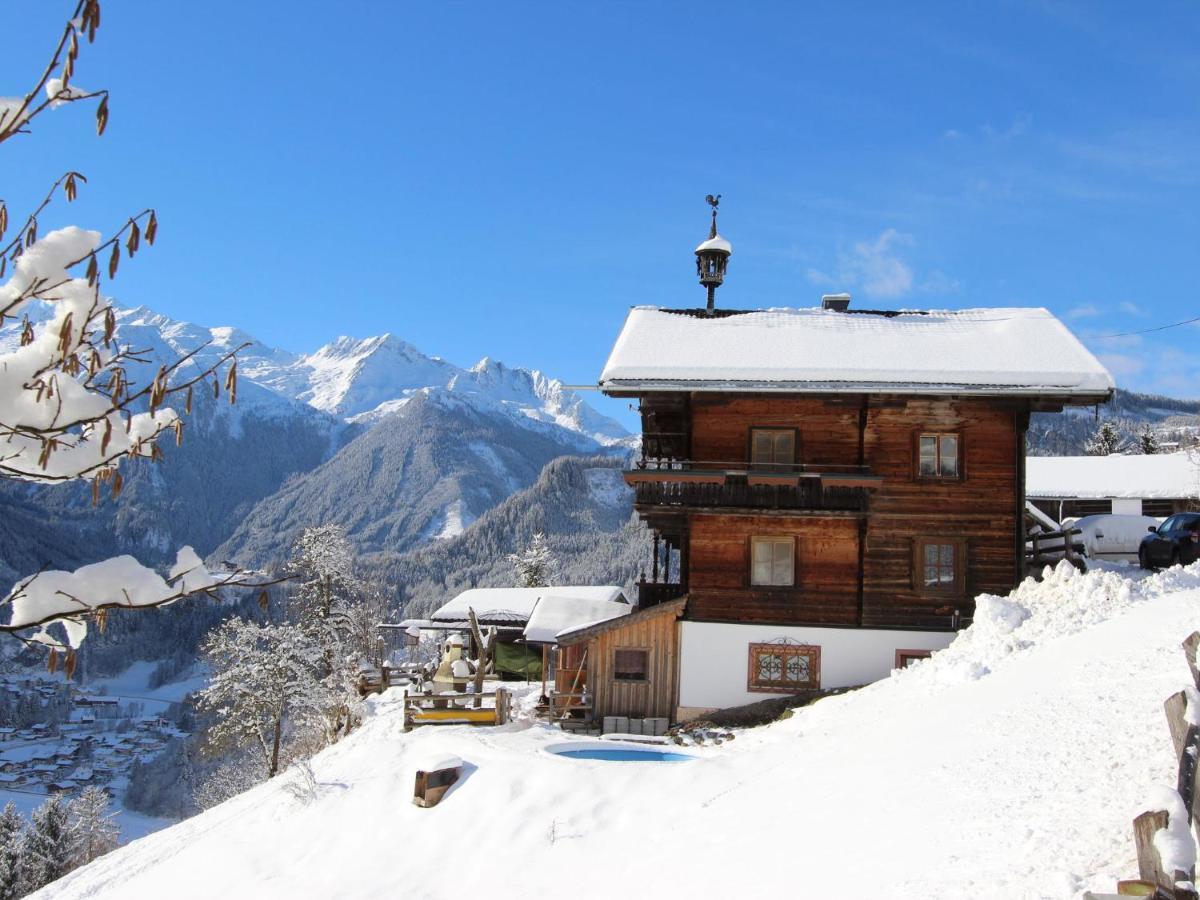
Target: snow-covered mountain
330, 436
364, 380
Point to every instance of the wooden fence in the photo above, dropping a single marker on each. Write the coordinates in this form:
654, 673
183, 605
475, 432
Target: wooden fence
1047, 548
467, 708
1153, 879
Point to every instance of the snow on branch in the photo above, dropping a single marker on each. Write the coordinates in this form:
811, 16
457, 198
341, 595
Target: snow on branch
68, 410
72, 598
17, 112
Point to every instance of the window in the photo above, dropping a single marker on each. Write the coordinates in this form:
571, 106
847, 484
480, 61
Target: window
772, 561
775, 447
938, 456
905, 658
631, 665
784, 668
939, 565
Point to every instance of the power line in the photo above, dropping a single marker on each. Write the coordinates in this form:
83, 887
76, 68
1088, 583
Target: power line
1101, 337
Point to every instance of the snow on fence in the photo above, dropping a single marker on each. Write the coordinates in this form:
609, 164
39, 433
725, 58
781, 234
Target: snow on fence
464, 708
1166, 847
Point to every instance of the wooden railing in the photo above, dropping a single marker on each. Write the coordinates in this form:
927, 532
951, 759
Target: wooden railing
465, 708
736, 491
1049, 547
1156, 877
652, 593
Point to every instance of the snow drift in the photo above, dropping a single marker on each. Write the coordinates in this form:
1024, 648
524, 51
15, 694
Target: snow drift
1008, 766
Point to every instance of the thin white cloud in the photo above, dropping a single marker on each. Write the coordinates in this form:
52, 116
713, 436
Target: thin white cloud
1130, 309
952, 134
878, 268
1084, 311
1121, 364
875, 265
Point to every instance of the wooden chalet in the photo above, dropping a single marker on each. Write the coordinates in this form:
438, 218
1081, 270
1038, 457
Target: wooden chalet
827, 488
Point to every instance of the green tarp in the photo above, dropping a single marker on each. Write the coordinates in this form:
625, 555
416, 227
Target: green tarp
519, 660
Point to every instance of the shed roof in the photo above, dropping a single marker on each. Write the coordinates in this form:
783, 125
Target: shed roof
998, 352
1160, 476
514, 605
587, 632
555, 613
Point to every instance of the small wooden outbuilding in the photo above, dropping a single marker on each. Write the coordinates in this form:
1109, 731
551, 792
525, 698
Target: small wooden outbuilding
627, 666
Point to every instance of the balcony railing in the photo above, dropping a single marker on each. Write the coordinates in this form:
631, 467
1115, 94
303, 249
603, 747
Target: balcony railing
653, 593
778, 487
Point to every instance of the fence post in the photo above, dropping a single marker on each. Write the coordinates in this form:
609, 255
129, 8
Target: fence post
501, 706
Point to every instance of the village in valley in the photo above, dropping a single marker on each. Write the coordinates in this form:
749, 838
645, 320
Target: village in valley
838, 535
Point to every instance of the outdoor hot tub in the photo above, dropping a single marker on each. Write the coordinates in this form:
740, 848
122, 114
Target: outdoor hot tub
607, 751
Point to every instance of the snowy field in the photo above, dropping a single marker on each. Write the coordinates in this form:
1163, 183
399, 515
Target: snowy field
1009, 766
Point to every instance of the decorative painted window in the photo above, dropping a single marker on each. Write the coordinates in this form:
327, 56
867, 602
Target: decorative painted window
631, 665
773, 447
773, 561
905, 658
939, 565
784, 668
937, 456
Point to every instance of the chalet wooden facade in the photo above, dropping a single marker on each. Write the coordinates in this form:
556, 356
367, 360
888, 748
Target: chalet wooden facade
829, 488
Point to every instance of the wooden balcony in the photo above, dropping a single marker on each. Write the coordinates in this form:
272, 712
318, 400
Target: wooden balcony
794, 489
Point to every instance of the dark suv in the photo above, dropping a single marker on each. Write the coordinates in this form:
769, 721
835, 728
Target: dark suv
1171, 542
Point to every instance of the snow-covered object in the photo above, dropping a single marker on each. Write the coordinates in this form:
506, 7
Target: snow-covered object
977, 351
1175, 845
433, 762
499, 605
119, 581
26, 411
460, 669
556, 613
716, 243
1113, 537
1007, 766
1158, 476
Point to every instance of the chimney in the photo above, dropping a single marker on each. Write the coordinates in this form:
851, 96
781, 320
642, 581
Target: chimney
836, 302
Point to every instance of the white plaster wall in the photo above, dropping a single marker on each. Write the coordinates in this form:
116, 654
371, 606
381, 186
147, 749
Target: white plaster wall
714, 658
1127, 506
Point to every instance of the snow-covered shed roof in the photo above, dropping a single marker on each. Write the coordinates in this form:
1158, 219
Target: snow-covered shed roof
556, 613
514, 605
1160, 476
982, 351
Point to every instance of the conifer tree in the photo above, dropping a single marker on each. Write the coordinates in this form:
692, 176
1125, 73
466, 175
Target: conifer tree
46, 848
1148, 440
11, 826
1105, 442
534, 566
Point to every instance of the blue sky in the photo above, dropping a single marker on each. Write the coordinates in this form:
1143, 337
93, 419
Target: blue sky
507, 179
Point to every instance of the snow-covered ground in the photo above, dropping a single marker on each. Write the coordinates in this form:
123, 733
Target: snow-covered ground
132, 686
1008, 766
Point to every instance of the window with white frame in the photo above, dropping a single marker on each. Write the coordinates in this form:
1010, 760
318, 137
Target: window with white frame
773, 561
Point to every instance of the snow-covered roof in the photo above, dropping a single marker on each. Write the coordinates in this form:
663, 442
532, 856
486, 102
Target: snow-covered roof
716, 243
1160, 476
514, 604
555, 613
981, 351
